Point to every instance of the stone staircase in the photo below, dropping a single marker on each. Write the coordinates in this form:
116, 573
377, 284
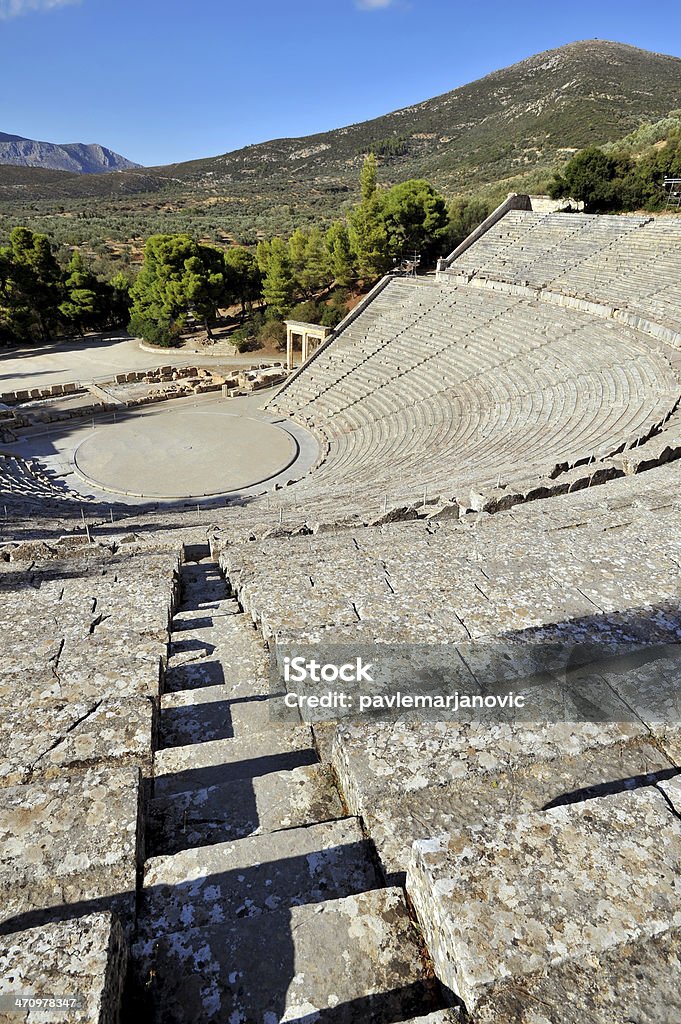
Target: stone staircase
262, 900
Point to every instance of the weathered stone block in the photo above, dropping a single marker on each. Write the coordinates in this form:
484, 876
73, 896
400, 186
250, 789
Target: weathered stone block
521, 895
72, 842
418, 780
268, 803
84, 957
254, 875
43, 739
357, 958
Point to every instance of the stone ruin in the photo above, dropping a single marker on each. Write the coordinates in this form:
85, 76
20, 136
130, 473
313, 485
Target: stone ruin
499, 476
60, 402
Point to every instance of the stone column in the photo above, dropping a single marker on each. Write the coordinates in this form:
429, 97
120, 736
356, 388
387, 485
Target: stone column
305, 349
289, 348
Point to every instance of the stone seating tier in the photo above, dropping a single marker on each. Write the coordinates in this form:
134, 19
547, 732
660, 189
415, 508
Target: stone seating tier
629, 262
477, 381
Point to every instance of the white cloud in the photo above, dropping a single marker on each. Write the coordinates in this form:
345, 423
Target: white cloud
373, 5
15, 8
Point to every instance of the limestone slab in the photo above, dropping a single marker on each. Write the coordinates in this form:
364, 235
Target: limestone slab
670, 740
414, 780
396, 821
85, 957
177, 769
48, 738
357, 957
255, 875
638, 981
672, 790
71, 841
233, 810
183, 723
383, 759
241, 674
505, 899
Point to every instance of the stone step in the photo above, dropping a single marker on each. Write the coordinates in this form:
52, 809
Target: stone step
188, 619
227, 630
244, 675
229, 653
443, 777
635, 982
188, 768
355, 960
202, 591
84, 957
243, 807
255, 875
185, 723
528, 895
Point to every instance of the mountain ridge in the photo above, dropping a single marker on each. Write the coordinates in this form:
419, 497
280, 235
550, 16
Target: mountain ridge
508, 131
76, 157
584, 50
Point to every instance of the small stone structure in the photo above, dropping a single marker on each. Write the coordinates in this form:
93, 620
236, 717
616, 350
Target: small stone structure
311, 335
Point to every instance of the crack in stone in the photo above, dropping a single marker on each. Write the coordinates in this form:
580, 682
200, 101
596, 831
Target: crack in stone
60, 739
55, 660
667, 799
98, 621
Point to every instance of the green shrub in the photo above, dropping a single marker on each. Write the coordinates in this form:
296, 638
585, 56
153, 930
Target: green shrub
164, 333
309, 312
273, 332
334, 311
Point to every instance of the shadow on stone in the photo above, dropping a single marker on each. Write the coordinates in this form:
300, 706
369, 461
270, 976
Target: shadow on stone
194, 676
212, 775
610, 788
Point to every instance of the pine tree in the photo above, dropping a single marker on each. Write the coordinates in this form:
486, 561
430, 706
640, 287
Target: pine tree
262, 256
278, 285
31, 286
415, 219
297, 252
316, 274
178, 276
368, 178
341, 259
242, 277
367, 232
80, 305
119, 300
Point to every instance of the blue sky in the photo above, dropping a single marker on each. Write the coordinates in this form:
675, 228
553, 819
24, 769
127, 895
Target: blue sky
174, 80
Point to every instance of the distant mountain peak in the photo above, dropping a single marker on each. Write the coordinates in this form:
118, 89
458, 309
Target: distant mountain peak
78, 157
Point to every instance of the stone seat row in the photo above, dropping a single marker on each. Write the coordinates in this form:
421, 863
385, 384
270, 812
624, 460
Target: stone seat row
79, 691
544, 382
26, 478
628, 262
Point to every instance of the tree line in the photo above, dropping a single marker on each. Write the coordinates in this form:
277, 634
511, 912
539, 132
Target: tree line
618, 179
306, 276
39, 298
183, 282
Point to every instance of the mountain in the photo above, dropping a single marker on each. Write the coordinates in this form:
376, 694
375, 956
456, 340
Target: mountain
506, 131
524, 115
73, 156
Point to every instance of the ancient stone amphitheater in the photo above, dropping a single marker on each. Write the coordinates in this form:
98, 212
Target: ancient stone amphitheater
497, 469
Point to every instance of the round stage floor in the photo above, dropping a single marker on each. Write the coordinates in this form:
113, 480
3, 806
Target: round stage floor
184, 453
